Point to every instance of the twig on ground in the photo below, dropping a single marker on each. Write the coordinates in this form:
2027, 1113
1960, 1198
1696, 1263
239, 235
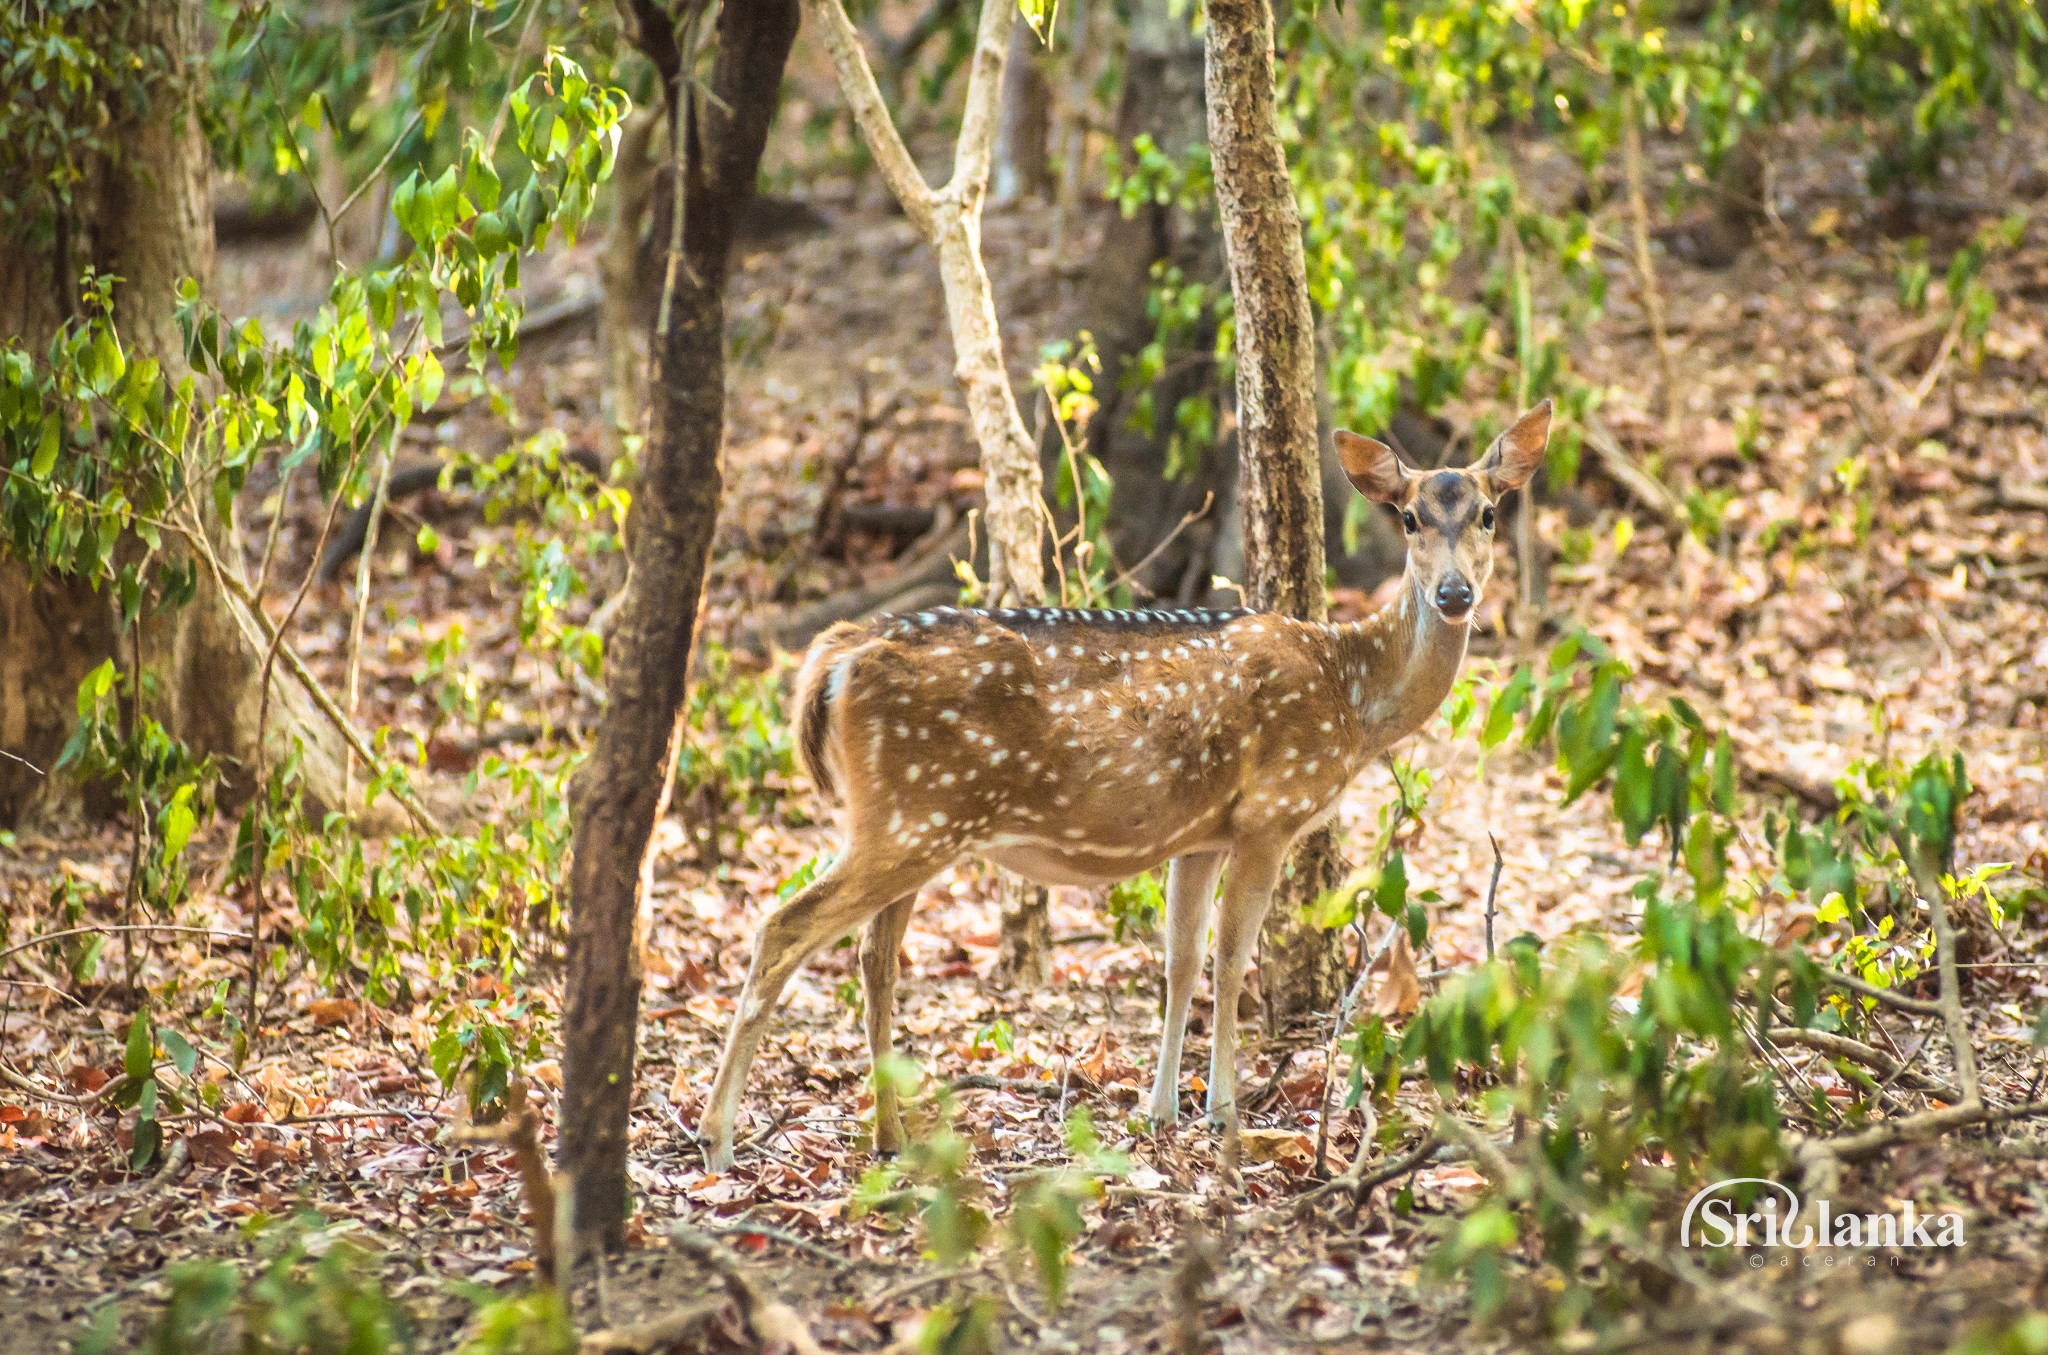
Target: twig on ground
520, 1131
1492, 887
646, 1338
786, 1239
1842, 1046
982, 1082
909, 1287
767, 1319
1850, 983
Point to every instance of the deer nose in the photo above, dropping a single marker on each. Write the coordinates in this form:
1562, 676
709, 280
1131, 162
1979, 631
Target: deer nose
1454, 597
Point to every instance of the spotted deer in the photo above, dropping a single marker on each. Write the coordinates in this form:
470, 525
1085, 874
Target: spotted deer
1082, 747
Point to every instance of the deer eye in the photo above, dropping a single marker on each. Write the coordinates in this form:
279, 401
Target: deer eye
1408, 521
1486, 517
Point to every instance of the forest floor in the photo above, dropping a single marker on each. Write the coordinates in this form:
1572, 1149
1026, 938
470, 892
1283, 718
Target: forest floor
1929, 634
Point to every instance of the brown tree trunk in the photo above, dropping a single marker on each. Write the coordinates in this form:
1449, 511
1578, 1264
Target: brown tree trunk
146, 216
1023, 165
51, 635
623, 786
1280, 493
1162, 98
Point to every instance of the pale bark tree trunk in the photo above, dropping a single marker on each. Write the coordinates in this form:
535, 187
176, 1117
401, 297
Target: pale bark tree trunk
1279, 482
147, 216
623, 787
950, 217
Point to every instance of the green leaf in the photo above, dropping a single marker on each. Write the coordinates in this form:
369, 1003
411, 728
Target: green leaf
1500, 718
177, 822
141, 1048
1040, 15
1633, 788
106, 363
183, 1055
149, 1138
1724, 775
1390, 896
46, 450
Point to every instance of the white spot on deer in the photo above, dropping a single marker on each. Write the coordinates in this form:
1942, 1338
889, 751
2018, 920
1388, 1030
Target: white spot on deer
950, 716
945, 778
895, 821
938, 818
983, 639
912, 772
1152, 780
1077, 833
1310, 768
996, 758
926, 618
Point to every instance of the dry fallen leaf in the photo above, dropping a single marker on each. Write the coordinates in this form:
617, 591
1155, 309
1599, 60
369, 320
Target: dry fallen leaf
1288, 1147
331, 1011
1400, 992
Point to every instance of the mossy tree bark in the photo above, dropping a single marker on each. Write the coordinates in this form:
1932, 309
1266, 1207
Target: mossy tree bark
144, 213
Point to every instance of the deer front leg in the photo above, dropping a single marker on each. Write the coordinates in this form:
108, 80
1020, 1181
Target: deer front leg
878, 958
829, 907
1246, 895
1190, 885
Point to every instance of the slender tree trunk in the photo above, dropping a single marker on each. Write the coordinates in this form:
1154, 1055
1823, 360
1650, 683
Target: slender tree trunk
623, 787
1279, 480
146, 216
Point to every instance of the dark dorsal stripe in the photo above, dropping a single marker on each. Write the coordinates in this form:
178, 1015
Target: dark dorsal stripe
1023, 619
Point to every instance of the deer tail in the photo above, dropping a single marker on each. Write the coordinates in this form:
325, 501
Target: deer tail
819, 684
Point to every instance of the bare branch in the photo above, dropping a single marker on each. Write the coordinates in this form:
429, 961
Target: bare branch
827, 18
984, 93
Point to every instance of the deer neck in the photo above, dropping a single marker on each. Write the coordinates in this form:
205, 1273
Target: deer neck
1399, 663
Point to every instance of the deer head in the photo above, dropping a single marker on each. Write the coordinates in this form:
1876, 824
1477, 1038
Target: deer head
1449, 514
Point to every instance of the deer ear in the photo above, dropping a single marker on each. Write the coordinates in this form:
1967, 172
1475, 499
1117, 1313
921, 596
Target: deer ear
1372, 467
1517, 453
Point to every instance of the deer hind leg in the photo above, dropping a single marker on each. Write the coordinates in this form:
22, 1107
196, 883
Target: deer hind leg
878, 957
1246, 895
829, 907
1190, 885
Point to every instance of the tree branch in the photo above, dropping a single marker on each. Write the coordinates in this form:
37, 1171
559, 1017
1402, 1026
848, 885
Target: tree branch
984, 95
857, 82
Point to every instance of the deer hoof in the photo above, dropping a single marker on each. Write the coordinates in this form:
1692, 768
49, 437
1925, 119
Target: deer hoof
717, 1149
